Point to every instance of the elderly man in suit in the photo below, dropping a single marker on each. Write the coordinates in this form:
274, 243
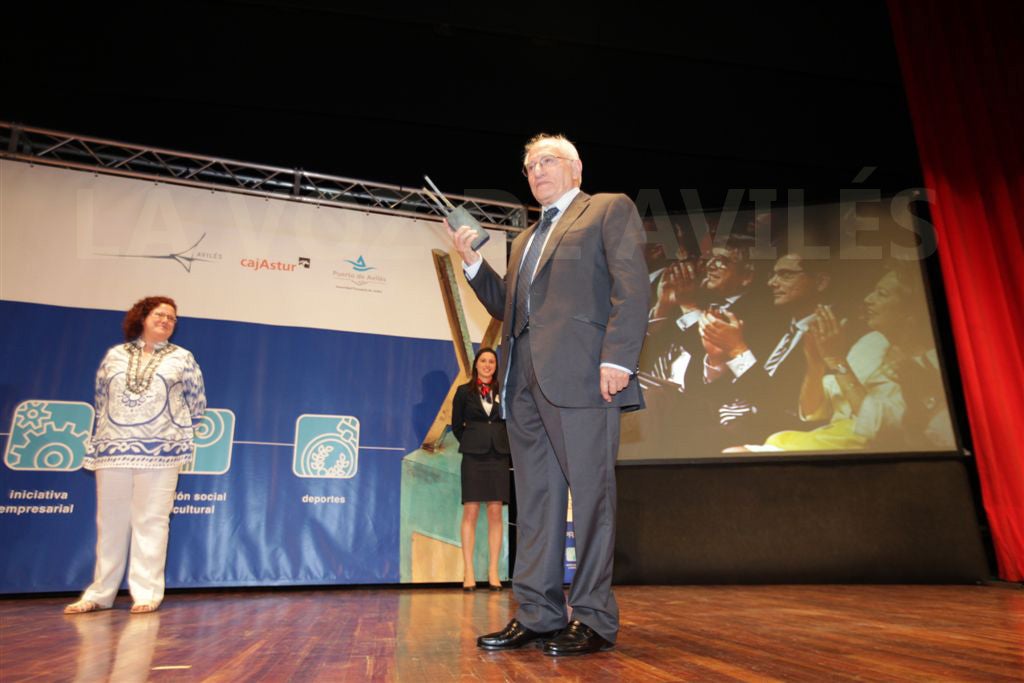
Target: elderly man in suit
574, 308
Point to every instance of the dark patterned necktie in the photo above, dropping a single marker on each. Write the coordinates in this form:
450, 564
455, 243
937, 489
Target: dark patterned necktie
529, 265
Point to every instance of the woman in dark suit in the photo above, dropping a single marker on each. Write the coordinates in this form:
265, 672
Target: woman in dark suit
477, 424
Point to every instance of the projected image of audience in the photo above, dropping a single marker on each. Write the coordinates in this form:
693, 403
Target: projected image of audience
758, 348
861, 388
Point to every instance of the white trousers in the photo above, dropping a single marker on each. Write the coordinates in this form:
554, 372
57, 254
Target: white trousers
136, 505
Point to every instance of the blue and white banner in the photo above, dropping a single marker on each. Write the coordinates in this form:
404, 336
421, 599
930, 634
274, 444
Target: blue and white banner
326, 354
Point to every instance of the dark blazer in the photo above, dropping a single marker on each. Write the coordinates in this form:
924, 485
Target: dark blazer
776, 397
664, 335
698, 405
477, 431
593, 268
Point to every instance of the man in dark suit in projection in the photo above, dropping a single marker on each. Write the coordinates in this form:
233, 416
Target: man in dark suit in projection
721, 280
574, 308
756, 379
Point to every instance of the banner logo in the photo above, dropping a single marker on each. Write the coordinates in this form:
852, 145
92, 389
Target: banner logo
213, 438
49, 435
267, 264
359, 265
359, 277
184, 258
326, 446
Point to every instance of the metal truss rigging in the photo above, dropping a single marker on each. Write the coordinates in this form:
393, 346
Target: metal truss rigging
65, 150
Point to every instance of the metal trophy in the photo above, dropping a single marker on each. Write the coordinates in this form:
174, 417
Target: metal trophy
457, 215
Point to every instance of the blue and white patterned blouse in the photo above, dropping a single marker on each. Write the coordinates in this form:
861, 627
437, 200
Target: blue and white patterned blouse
151, 430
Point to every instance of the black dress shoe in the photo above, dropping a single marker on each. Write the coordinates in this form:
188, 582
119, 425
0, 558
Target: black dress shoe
513, 636
494, 587
576, 639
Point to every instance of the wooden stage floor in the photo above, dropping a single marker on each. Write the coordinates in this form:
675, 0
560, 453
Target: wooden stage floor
669, 633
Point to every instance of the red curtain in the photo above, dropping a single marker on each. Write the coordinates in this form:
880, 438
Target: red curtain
961, 71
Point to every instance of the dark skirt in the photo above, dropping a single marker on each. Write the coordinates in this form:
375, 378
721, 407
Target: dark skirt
485, 477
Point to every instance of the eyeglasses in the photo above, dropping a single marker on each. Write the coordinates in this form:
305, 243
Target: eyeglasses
716, 262
547, 162
788, 275
169, 317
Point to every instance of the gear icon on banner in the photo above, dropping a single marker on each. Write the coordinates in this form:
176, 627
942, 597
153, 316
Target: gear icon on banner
32, 416
49, 435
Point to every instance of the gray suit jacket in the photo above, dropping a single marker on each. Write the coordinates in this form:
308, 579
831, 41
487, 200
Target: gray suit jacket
589, 301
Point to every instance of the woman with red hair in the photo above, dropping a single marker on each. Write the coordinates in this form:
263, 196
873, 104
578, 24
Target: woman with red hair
149, 394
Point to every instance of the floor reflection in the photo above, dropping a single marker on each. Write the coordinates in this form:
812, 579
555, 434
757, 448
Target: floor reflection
437, 630
131, 660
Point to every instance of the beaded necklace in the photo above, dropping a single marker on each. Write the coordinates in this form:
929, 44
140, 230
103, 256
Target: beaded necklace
138, 379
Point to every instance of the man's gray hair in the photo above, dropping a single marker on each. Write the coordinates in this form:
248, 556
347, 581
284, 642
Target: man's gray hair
560, 141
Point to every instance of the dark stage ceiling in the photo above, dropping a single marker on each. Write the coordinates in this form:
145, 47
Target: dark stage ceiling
705, 95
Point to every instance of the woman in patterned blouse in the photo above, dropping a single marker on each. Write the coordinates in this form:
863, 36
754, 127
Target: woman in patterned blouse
149, 394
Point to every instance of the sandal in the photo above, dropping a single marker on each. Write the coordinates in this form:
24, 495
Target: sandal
144, 607
83, 606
